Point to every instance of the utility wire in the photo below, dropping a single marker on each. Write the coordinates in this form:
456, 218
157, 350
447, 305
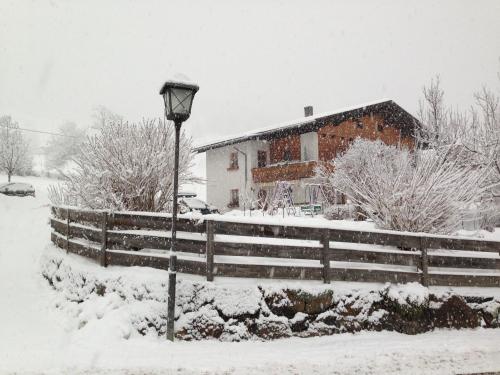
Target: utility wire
39, 131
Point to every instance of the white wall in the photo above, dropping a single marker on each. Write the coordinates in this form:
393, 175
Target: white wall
309, 146
220, 180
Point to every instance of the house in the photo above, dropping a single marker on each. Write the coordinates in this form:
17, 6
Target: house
252, 163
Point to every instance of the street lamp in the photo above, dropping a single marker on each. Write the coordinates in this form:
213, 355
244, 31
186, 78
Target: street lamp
178, 98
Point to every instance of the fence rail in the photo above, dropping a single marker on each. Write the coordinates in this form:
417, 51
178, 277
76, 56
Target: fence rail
213, 247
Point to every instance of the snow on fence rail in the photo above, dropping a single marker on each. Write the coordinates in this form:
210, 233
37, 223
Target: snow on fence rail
219, 247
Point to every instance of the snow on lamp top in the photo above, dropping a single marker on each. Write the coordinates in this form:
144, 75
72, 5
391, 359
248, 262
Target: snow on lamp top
178, 94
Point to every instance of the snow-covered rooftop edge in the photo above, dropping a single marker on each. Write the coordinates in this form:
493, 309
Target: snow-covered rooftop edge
290, 123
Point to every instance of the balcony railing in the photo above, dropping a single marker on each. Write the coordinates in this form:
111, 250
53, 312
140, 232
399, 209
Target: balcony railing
284, 172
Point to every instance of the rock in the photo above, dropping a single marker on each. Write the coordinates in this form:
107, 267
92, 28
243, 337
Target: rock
455, 313
300, 322
235, 331
319, 329
279, 304
309, 303
237, 302
203, 324
402, 314
329, 318
478, 300
290, 302
273, 327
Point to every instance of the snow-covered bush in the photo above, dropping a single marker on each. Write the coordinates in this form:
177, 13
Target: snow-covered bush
126, 167
399, 189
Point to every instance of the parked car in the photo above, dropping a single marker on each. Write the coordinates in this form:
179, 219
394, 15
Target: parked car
20, 189
193, 204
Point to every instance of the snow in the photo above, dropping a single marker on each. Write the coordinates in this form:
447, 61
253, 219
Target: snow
411, 293
181, 78
41, 332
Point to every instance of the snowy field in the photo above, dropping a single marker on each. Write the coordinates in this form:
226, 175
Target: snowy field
36, 337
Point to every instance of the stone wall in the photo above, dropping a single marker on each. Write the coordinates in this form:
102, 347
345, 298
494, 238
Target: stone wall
242, 311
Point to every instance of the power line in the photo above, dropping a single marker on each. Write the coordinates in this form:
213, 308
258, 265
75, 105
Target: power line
40, 131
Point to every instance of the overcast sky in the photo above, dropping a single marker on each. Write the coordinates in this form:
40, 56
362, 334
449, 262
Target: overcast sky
257, 62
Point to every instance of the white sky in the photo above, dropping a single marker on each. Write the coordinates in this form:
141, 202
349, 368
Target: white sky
257, 62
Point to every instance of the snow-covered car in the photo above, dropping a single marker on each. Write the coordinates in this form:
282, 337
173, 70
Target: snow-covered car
17, 188
192, 204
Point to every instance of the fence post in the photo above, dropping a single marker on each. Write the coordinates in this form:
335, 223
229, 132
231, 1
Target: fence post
325, 259
104, 238
424, 262
67, 230
210, 250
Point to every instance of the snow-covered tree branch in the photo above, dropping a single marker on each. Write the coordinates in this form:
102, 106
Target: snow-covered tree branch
126, 167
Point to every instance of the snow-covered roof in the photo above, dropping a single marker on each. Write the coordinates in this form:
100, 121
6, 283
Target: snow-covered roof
388, 107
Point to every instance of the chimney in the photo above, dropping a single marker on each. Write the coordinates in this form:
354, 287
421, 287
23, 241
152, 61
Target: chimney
308, 111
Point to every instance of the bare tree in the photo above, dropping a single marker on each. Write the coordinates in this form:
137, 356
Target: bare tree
432, 113
103, 116
475, 131
14, 149
484, 133
126, 167
60, 149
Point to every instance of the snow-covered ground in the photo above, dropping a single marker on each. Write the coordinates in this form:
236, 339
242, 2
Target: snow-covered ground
36, 337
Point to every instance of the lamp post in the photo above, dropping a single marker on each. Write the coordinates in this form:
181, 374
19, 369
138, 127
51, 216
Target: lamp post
178, 98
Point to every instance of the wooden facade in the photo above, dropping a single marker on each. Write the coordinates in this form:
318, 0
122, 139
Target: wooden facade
335, 139
284, 149
285, 172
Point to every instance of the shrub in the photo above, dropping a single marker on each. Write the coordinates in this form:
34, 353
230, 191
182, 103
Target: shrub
416, 191
126, 167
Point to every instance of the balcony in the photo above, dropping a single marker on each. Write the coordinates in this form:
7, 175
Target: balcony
284, 172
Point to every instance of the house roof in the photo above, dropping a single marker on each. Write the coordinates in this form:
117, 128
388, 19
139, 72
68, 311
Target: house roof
391, 112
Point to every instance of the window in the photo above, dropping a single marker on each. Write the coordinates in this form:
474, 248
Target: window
332, 136
287, 154
351, 140
233, 160
261, 159
359, 124
380, 127
234, 198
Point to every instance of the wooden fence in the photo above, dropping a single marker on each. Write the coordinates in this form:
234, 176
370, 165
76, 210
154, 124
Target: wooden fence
214, 247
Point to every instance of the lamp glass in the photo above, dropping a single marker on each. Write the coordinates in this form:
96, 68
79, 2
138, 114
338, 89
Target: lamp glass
181, 100
178, 100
